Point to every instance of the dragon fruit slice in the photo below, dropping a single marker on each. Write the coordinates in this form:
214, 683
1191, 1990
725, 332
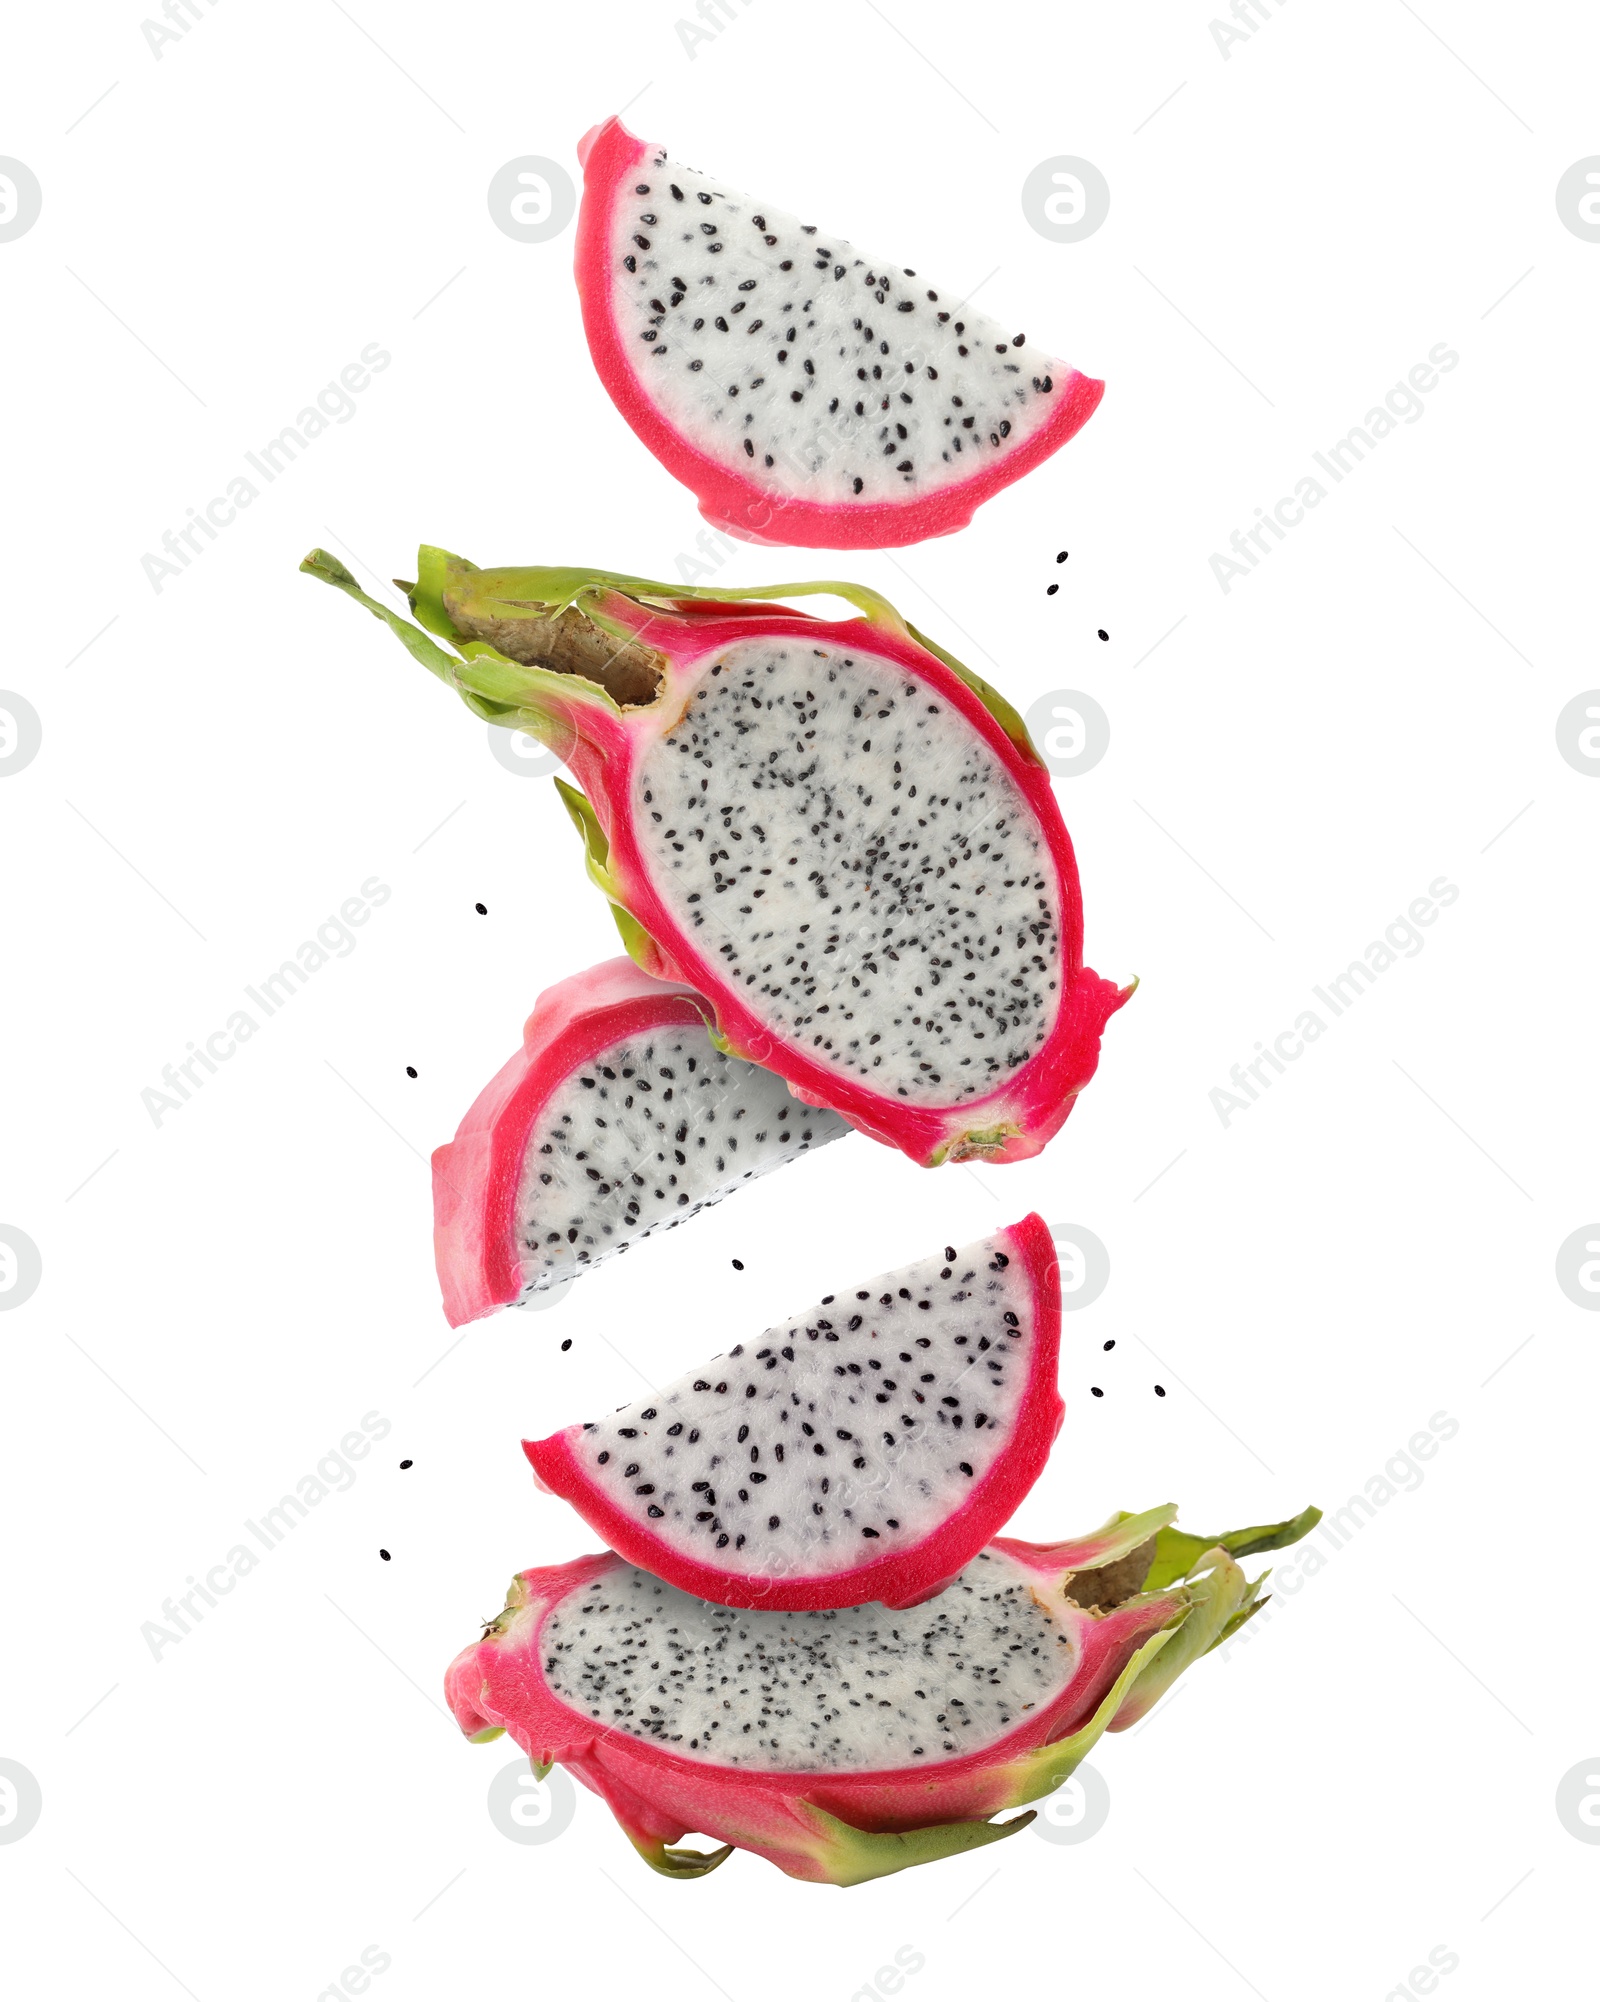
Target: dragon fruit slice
865, 1450
616, 1118
846, 1745
833, 831
807, 392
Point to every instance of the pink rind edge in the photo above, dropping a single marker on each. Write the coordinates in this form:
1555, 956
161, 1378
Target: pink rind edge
477, 1174
607, 152
903, 1578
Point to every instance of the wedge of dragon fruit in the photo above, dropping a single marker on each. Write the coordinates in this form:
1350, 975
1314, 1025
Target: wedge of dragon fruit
846, 1745
616, 1118
865, 1449
807, 392
833, 831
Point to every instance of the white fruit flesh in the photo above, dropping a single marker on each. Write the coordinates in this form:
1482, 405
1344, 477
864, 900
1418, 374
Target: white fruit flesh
844, 1436
857, 1689
803, 364
840, 844
651, 1131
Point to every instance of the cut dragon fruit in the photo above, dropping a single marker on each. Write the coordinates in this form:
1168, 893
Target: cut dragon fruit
866, 1450
833, 831
616, 1118
846, 1745
806, 392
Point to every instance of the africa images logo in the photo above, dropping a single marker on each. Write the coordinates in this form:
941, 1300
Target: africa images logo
1402, 939
1402, 405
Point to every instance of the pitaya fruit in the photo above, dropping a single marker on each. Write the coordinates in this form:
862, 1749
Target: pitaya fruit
833, 831
849, 1744
806, 392
866, 1450
616, 1118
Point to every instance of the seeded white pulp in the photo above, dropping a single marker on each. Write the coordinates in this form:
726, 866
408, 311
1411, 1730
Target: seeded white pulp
860, 866
843, 1436
807, 366
654, 1129
856, 1689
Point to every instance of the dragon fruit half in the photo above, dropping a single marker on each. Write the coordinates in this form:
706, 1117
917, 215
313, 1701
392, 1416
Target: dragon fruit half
849, 1744
833, 831
866, 1450
616, 1118
806, 392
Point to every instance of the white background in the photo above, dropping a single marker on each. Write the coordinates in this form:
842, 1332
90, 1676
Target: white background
224, 762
